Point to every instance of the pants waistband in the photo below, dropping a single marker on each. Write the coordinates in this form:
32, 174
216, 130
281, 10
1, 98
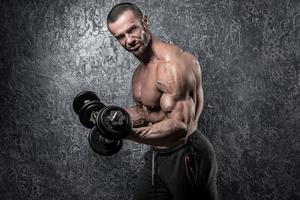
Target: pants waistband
170, 150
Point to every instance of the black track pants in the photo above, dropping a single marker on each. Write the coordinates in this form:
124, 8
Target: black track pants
186, 172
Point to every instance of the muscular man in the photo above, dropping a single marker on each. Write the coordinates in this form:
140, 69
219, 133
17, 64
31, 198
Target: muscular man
167, 90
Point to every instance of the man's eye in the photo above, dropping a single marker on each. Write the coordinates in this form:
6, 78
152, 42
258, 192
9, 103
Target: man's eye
131, 30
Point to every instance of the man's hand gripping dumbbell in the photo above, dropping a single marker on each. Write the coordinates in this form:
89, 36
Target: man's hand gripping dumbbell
109, 124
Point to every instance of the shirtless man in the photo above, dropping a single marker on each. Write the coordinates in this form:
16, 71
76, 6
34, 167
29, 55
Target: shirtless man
167, 90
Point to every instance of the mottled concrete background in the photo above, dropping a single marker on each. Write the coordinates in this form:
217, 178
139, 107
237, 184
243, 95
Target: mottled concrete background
51, 50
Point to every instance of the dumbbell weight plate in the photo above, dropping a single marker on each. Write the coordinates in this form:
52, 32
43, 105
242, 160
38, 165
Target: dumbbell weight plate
103, 146
86, 112
82, 99
114, 123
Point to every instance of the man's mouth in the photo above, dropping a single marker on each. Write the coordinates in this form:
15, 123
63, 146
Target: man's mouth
136, 47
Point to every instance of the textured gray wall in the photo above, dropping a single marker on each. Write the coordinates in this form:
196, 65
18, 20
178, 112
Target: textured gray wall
51, 50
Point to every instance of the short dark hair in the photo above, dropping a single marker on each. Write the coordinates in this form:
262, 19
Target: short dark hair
118, 9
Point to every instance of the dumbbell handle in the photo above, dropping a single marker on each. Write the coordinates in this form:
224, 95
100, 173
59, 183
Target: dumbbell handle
88, 112
94, 116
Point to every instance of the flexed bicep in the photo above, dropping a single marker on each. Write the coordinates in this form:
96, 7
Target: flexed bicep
181, 110
177, 86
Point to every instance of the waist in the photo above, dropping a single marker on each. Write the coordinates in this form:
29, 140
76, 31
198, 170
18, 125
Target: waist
169, 150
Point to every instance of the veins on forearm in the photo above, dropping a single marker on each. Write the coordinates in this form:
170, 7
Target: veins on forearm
165, 132
139, 123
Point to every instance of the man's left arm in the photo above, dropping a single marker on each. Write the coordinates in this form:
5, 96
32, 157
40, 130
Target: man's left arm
176, 103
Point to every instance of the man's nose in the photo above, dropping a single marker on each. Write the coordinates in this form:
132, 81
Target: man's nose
130, 39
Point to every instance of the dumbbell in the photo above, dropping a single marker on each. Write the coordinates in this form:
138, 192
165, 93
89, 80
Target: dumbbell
110, 124
113, 122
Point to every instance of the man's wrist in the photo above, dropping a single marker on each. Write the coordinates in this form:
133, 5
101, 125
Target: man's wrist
131, 134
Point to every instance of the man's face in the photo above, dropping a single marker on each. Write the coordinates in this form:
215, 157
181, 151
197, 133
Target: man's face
131, 32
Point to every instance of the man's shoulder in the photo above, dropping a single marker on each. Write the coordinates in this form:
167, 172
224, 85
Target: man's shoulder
174, 53
177, 57
179, 64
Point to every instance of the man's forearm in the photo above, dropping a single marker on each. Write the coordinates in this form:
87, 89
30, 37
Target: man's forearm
165, 133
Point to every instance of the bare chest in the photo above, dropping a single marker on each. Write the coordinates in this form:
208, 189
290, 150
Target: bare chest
145, 90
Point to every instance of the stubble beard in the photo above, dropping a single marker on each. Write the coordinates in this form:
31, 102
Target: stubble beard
145, 40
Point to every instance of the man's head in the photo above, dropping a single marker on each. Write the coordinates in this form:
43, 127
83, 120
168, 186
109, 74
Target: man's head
127, 23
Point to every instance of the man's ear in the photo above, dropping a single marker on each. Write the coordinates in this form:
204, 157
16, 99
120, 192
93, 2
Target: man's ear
145, 21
